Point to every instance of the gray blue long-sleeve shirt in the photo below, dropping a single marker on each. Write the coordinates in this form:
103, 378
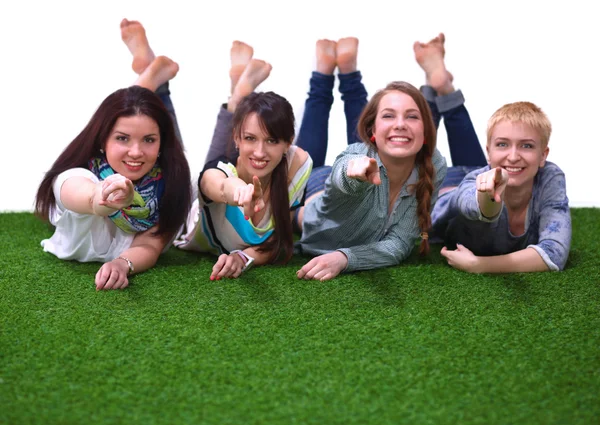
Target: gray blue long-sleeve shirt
352, 216
457, 219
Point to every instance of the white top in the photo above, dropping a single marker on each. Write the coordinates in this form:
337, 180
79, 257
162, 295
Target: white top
83, 237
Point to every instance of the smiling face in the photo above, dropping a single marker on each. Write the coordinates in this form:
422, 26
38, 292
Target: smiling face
516, 147
398, 129
259, 152
133, 145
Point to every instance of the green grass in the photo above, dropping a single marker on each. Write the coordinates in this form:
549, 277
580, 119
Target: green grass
420, 343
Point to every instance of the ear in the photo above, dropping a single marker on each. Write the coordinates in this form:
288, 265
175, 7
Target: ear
487, 150
545, 153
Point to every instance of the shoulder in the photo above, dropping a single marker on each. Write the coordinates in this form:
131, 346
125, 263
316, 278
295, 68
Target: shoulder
438, 160
355, 150
223, 164
550, 183
550, 176
549, 171
297, 158
473, 174
74, 172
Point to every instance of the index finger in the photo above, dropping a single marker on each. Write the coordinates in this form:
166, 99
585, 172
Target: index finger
498, 175
257, 186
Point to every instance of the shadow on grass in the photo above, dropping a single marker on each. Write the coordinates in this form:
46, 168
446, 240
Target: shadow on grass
518, 288
384, 284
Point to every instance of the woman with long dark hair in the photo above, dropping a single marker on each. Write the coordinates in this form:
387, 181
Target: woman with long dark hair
253, 179
120, 191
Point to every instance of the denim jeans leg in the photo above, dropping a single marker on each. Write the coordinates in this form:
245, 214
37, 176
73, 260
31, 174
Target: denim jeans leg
165, 95
465, 149
314, 130
430, 94
354, 95
222, 144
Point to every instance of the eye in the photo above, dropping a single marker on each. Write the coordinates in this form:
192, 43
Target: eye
272, 141
413, 117
149, 140
121, 138
501, 144
528, 145
387, 116
249, 138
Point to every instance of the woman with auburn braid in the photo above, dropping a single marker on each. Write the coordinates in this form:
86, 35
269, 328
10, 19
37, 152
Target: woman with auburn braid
423, 188
369, 208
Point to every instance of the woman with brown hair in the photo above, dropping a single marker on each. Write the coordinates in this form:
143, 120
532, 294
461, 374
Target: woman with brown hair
368, 209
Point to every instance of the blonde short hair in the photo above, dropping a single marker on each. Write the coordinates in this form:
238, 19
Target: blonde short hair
526, 113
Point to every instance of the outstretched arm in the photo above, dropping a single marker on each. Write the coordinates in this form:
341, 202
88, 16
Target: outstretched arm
219, 187
522, 261
83, 196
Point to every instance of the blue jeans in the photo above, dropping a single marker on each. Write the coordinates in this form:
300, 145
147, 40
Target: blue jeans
313, 134
165, 95
465, 150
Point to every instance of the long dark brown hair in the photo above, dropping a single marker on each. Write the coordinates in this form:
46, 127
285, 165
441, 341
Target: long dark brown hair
135, 100
276, 118
424, 186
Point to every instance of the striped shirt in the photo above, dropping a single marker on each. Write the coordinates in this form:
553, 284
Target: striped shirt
219, 228
352, 216
457, 218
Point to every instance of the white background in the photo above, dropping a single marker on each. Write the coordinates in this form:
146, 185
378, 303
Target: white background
60, 59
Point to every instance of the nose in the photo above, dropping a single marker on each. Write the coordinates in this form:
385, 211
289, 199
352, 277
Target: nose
513, 154
259, 149
400, 123
135, 150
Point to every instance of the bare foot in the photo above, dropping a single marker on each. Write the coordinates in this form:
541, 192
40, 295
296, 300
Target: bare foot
326, 61
347, 53
430, 57
255, 73
134, 36
240, 53
161, 70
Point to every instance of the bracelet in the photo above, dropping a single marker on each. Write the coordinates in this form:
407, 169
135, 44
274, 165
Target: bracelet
129, 264
247, 259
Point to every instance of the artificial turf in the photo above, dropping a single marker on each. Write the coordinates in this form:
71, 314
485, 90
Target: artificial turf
420, 343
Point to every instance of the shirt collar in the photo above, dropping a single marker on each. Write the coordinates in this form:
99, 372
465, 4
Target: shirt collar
413, 178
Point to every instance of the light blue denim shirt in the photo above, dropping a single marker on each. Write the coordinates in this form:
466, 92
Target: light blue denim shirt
457, 218
352, 216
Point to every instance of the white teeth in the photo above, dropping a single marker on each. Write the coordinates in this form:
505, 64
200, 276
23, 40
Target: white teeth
134, 164
399, 139
512, 170
259, 163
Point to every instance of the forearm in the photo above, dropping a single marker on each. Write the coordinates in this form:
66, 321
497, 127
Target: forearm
81, 195
375, 255
260, 257
523, 261
145, 250
487, 206
220, 188
142, 257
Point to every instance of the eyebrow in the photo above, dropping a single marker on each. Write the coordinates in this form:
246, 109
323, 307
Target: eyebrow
408, 110
129, 135
506, 139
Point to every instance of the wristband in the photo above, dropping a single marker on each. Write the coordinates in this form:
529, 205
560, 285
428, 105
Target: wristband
247, 259
129, 264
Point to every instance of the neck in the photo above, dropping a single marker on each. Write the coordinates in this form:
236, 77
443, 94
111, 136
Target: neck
247, 177
517, 198
398, 170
